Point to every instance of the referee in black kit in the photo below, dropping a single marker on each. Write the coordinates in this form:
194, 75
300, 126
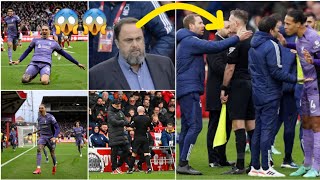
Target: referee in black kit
140, 123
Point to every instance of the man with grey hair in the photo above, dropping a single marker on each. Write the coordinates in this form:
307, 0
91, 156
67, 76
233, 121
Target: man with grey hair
132, 68
140, 110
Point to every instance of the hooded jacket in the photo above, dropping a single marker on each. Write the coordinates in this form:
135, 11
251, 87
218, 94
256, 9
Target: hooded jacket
265, 56
116, 123
190, 60
98, 140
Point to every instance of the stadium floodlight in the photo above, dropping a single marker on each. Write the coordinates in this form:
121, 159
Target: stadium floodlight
26, 137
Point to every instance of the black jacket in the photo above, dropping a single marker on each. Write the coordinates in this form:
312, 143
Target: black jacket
116, 123
108, 74
216, 66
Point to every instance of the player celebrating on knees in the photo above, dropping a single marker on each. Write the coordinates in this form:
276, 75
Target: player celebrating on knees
11, 23
307, 44
78, 133
41, 60
49, 130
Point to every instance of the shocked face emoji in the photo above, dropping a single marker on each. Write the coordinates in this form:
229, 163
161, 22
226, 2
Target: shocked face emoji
66, 20
94, 20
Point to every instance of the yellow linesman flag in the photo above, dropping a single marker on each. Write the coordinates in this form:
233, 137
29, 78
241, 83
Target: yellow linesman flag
220, 137
299, 69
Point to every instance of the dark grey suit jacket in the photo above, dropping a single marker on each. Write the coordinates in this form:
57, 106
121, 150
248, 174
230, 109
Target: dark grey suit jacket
109, 76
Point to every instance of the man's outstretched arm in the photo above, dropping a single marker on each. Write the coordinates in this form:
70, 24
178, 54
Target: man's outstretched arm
70, 58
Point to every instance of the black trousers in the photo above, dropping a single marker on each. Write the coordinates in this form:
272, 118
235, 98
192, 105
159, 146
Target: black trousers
123, 155
217, 154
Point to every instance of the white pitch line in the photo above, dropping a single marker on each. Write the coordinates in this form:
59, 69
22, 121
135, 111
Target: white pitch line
56, 154
69, 51
16, 157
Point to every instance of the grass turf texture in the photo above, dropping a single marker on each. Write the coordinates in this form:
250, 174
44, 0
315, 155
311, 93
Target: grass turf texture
70, 164
64, 74
199, 157
135, 175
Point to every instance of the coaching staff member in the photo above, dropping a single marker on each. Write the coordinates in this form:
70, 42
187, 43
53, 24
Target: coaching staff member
265, 66
190, 81
117, 139
132, 68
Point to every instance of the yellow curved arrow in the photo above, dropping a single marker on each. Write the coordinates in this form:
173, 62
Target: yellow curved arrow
216, 22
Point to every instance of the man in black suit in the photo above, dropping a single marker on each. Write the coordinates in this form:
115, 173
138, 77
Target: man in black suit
132, 68
216, 66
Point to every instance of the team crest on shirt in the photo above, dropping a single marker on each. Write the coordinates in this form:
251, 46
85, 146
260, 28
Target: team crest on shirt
39, 46
231, 49
126, 10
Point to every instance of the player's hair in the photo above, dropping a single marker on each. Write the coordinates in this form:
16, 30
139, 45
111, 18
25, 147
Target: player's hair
297, 16
9, 8
43, 105
240, 14
189, 19
277, 17
75, 123
118, 26
45, 25
310, 14
267, 23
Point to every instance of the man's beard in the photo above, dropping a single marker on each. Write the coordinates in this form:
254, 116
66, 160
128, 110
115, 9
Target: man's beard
135, 60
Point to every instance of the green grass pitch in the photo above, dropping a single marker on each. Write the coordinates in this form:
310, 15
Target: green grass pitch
64, 74
70, 164
135, 175
199, 157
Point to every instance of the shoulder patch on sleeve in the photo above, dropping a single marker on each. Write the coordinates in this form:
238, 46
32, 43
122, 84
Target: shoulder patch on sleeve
277, 49
316, 44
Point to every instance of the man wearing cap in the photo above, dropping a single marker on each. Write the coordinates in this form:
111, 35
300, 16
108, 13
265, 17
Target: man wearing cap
117, 139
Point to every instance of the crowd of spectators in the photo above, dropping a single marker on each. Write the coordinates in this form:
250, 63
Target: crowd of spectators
34, 14
66, 126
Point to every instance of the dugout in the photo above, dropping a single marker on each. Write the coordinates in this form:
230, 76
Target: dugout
11, 101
